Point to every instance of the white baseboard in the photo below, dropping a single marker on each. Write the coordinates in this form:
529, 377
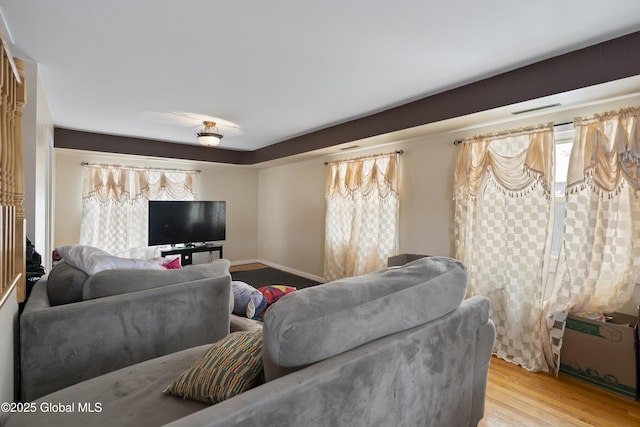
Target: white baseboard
294, 271
246, 261
283, 268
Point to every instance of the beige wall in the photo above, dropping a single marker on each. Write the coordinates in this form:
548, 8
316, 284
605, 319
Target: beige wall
276, 213
426, 195
235, 184
37, 126
291, 216
292, 205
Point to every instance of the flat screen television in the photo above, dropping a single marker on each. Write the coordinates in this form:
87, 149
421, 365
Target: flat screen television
186, 222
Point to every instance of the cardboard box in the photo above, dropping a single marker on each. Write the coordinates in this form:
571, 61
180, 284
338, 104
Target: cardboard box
602, 354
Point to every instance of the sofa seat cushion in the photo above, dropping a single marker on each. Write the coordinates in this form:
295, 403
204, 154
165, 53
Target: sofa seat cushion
241, 323
115, 282
130, 396
316, 323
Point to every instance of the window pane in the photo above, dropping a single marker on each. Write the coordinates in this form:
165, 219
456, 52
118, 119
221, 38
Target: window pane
558, 225
563, 151
564, 143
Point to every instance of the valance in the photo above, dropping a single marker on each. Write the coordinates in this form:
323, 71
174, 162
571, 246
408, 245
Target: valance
606, 152
482, 161
376, 173
105, 183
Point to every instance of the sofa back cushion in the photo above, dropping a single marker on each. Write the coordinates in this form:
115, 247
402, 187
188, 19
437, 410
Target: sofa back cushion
65, 283
114, 282
92, 260
313, 324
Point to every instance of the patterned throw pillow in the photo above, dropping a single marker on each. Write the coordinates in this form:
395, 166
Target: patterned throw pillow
247, 300
272, 294
231, 366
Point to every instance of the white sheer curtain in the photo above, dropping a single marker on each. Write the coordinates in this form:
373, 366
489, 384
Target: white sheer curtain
599, 261
115, 204
361, 226
503, 227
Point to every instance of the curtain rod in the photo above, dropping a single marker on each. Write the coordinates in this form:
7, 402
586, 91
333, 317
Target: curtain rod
142, 167
459, 141
365, 157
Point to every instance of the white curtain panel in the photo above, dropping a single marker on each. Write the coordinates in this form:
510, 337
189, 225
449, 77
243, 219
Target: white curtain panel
503, 226
599, 261
361, 224
115, 205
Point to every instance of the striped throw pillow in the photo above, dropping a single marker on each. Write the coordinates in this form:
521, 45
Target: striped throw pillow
231, 366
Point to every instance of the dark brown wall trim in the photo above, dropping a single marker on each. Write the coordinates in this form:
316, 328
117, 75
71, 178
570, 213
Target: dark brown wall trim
611, 60
81, 140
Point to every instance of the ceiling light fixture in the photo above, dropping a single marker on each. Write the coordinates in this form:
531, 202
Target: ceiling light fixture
209, 135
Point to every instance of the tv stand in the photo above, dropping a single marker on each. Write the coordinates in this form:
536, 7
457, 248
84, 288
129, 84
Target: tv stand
186, 253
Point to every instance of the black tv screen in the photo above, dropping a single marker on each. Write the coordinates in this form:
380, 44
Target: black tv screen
186, 222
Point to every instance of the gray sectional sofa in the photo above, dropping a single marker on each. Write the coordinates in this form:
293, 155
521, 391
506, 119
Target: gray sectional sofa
115, 318
400, 346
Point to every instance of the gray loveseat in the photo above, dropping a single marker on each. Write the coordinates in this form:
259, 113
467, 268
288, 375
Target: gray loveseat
396, 347
115, 318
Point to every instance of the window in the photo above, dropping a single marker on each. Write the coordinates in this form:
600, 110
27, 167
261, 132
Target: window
563, 136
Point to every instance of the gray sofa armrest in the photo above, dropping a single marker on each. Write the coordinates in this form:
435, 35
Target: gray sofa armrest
66, 344
430, 375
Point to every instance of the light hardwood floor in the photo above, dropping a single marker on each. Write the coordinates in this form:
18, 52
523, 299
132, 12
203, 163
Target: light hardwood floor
247, 267
516, 397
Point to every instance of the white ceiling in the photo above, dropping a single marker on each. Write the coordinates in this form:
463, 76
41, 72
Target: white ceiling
270, 71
